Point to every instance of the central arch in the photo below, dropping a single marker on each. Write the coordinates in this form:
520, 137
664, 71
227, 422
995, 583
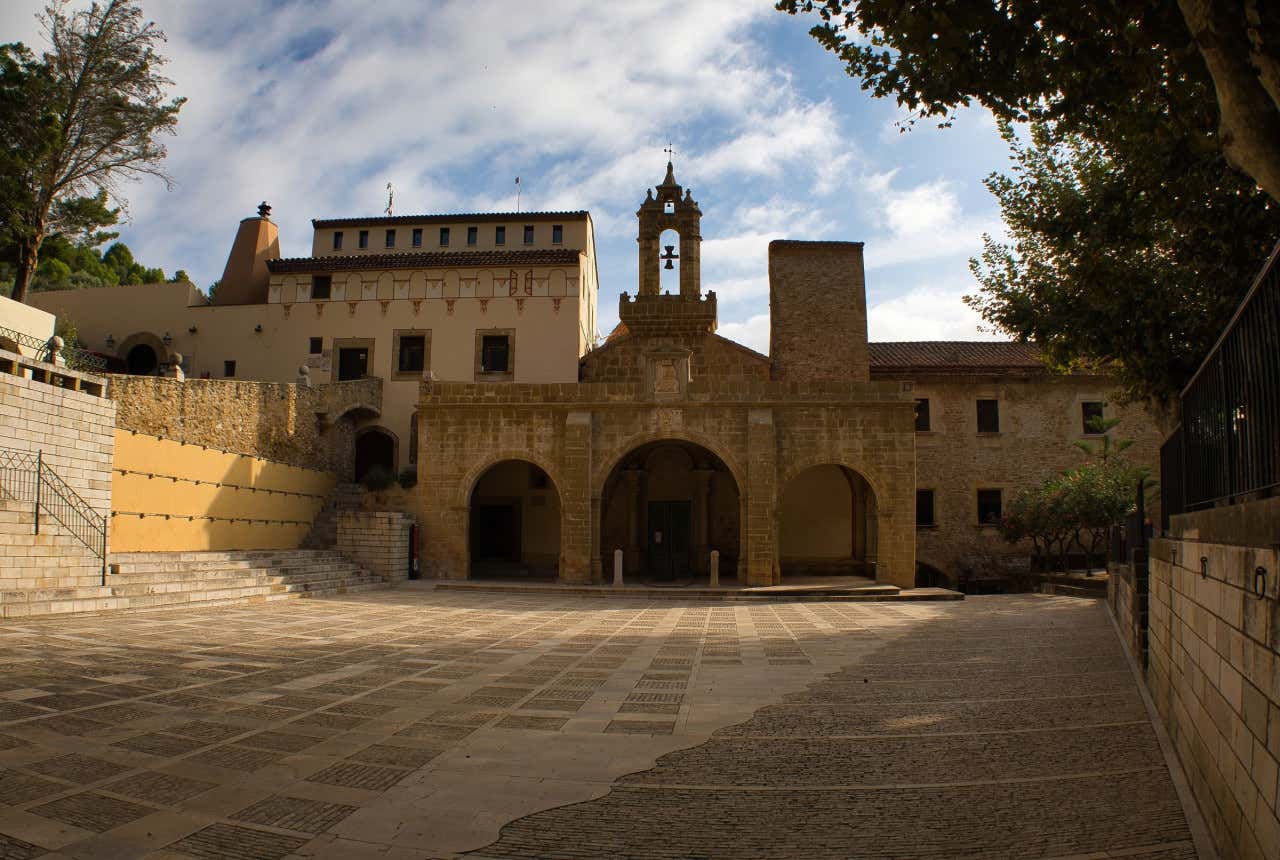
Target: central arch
375, 449
513, 523
827, 523
667, 504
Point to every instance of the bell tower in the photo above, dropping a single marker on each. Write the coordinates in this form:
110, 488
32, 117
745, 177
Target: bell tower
670, 211
650, 312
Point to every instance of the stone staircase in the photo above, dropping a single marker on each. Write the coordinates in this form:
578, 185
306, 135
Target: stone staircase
51, 559
324, 528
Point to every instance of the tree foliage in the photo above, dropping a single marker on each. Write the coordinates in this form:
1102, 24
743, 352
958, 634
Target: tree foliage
75, 123
67, 265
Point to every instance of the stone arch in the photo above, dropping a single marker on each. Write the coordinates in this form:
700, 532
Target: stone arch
152, 346
375, 446
667, 503
669, 270
514, 520
702, 440
826, 522
469, 478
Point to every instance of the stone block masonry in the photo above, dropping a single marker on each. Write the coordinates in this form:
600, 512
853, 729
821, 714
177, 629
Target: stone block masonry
377, 541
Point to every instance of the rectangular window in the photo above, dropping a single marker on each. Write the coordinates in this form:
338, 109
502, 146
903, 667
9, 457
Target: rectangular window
391, 239
473, 235
444, 237
557, 234
316, 345
228, 369
417, 237
989, 507
337, 240
988, 416
500, 235
528, 234
1091, 417
495, 351
363, 240
321, 286
413, 353
924, 508
922, 416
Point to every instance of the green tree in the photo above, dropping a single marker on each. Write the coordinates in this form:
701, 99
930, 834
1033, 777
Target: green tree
1111, 265
77, 122
1080, 64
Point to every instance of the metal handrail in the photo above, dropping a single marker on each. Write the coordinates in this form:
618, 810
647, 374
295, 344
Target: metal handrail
24, 477
73, 357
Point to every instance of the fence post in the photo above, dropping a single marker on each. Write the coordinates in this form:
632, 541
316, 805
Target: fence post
39, 474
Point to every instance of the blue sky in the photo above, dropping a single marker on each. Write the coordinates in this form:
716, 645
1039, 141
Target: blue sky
315, 106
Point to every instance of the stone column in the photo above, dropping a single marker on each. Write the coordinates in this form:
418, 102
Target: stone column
701, 518
761, 490
575, 500
633, 487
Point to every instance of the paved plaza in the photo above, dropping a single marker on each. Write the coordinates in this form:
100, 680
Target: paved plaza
415, 723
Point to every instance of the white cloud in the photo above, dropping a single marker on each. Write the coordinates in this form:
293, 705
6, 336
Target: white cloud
752, 332
930, 312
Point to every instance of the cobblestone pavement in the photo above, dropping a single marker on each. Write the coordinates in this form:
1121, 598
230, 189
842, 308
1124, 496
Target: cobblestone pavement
415, 724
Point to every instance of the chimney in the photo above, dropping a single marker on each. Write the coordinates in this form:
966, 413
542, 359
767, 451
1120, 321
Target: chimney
244, 280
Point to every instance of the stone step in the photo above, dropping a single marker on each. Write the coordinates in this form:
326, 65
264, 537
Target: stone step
179, 574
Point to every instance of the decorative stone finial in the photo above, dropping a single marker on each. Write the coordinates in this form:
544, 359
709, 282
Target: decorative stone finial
304, 376
264, 210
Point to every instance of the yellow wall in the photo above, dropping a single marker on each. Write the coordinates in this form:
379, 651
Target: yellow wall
173, 496
27, 320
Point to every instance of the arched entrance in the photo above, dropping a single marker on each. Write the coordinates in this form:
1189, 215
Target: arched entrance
928, 576
667, 505
514, 523
827, 524
142, 360
375, 448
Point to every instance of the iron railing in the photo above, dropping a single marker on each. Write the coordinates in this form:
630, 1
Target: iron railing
25, 477
1230, 433
73, 358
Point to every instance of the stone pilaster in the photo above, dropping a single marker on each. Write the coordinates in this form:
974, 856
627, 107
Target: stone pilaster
759, 532
575, 500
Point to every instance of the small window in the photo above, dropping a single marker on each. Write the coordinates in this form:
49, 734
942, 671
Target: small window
989, 507
363, 241
988, 416
924, 508
500, 235
922, 416
413, 353
1091, 418
444, 237
528, 234
557, 234
337, 240
316, 345
417, 237
228, 369
473, 235
321, 286
495, 351
391, 239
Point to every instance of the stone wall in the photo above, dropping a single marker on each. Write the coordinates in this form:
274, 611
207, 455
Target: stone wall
305, 426
1128, 593
1214, 666
818, 311
377, 541
1040, 419
711, 356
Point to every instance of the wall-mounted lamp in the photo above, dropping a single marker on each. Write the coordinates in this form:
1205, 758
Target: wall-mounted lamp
167, 340
111, 342
258, 328
191, 330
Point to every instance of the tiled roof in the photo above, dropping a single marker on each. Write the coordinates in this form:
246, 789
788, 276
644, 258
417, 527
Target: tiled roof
379, 220
954, 355
426, 260
619, 332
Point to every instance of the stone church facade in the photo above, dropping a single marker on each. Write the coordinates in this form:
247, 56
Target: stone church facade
676, 442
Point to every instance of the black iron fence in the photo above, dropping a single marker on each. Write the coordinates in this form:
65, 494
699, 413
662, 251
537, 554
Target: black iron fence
25, 477
74, 359
1228, 447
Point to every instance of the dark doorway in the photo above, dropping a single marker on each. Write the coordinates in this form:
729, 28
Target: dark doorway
668, 540
374, 449
353, 363
495, 533
142, 360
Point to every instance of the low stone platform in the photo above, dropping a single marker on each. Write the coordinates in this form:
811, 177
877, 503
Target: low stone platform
798, 588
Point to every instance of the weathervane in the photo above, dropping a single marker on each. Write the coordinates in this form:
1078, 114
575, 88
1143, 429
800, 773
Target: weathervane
670, 151
391, 198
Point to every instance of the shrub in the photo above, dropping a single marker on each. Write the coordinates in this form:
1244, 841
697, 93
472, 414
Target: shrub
378, 478
409, 477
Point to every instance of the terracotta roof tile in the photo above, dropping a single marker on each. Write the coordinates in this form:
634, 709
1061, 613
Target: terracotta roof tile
426, 260
954, 355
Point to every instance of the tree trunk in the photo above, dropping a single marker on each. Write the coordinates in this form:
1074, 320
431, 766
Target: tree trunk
28, 257
1249, 117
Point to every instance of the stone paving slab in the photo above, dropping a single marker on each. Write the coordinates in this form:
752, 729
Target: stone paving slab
416, 724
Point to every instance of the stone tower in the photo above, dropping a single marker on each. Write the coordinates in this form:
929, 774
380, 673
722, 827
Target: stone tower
817, 312
245, 278
650, 312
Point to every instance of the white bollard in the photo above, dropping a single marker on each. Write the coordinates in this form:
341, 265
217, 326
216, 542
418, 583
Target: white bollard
617, 568
715, 568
